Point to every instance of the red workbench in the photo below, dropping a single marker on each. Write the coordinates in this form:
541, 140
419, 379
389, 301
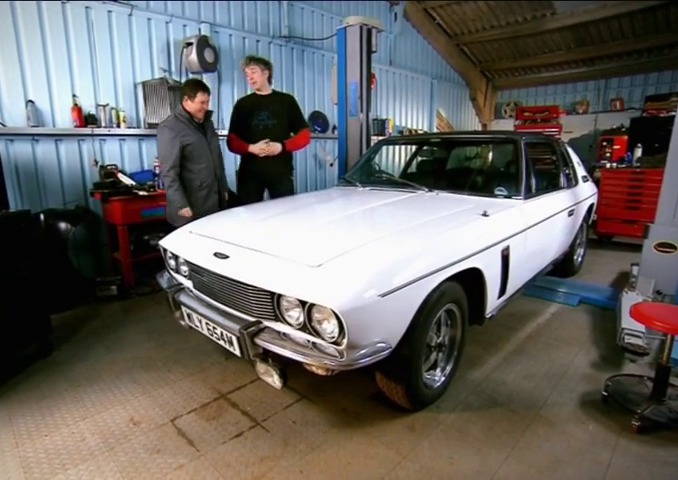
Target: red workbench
125, 212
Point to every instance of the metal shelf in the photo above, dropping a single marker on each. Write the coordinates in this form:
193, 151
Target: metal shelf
102, 132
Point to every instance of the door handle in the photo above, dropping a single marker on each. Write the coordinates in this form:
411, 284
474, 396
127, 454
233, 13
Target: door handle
570, 212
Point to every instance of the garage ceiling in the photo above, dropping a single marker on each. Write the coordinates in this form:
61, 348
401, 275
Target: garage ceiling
498, 45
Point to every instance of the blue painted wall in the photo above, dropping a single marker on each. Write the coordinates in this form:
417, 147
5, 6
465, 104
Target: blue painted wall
101, 51
632, 89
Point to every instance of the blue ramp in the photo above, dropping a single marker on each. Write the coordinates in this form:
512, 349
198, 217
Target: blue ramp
573, 292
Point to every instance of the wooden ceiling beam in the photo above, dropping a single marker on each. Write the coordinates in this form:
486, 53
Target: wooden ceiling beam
587, 74
586, 53
558, 21
434, 4
480, 88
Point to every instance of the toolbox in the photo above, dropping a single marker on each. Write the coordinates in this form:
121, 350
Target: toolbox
627, 201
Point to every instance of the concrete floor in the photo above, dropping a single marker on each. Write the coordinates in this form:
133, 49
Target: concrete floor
130, 394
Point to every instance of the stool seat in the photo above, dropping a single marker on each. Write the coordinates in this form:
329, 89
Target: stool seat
652, 399
662, 317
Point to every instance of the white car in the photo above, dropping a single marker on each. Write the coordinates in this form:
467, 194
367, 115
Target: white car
426, 235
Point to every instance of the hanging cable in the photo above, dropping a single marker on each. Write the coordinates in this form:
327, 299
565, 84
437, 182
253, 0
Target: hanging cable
181, 64
306, 39
218, 97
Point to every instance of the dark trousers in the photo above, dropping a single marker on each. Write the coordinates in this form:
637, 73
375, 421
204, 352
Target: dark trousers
253, 183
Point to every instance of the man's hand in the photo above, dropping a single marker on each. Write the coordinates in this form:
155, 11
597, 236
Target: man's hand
273, 149
259, 149
186, 212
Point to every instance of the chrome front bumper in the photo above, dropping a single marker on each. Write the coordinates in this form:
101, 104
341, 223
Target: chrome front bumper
255, 338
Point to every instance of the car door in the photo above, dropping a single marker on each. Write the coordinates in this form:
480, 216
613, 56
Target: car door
548, 207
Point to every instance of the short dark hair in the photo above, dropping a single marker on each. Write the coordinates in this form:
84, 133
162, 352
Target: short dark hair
261, 62
192, 87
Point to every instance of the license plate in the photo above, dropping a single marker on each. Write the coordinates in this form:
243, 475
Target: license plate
212, 331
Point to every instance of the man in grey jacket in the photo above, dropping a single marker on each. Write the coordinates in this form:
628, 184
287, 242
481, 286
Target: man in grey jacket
191, 161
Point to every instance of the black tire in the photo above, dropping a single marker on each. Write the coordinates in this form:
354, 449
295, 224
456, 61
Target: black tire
571, 263
402, 377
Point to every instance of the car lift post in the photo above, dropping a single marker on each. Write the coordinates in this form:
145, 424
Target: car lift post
356, 42
656, 276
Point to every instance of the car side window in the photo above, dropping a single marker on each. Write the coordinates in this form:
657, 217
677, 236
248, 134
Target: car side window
568, 172
544, 168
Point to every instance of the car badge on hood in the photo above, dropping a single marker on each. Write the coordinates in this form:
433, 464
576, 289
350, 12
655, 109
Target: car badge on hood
221, 256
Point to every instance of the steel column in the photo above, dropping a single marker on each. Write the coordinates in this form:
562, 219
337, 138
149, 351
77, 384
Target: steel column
356, 42
659, 259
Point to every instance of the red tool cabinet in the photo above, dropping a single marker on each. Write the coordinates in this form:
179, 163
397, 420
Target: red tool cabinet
539, 119
627, 201
122, 213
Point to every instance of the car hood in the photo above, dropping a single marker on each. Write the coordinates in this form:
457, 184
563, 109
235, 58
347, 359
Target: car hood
315, 228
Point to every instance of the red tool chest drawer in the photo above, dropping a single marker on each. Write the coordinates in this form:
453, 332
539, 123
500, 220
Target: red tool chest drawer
628, 199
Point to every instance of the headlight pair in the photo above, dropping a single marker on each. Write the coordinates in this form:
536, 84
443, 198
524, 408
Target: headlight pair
176, 263
322, 321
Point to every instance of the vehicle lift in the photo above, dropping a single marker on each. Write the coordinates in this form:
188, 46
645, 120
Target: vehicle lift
655, 277
356, 42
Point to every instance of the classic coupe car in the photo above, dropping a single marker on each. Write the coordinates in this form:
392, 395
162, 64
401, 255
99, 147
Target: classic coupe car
424, 236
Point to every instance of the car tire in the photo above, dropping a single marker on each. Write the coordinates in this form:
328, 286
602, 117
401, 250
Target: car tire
571, 263
403, 377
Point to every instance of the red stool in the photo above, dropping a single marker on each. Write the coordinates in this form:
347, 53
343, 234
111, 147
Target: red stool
654, 400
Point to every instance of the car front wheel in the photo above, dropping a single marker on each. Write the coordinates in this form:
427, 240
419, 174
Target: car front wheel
573, 260
419, 371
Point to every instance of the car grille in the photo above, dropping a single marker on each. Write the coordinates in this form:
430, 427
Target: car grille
241, 297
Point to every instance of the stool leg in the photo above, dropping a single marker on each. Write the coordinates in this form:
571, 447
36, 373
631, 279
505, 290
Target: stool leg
662, 373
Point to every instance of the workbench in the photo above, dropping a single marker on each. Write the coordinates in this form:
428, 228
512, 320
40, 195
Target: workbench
124, 213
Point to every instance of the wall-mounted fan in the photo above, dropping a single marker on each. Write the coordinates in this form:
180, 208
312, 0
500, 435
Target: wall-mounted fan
200, 54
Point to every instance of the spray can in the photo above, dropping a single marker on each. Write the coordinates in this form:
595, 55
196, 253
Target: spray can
77, 116
157, 178
637, 152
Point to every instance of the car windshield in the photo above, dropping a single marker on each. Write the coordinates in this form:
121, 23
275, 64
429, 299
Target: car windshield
470, 166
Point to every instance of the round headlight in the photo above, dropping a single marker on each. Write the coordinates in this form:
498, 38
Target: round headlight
325, 323
183, 266
291, 310
171, 261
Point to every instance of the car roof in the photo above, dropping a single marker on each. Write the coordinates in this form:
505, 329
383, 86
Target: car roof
489, 134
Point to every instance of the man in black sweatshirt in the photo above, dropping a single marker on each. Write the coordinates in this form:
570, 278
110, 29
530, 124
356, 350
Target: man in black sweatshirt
266, 127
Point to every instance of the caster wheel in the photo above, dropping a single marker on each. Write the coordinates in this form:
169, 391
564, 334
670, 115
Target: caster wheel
637, 426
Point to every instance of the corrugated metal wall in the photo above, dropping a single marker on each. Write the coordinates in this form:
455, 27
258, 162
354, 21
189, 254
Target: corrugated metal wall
101, 51
454, 104
632, 89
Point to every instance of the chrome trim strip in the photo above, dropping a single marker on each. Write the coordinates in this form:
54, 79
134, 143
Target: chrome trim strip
477, 252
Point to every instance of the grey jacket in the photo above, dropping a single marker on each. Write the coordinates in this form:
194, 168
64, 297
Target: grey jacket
191, 166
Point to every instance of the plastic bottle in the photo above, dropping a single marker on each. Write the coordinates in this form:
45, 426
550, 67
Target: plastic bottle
77, 116
32, 119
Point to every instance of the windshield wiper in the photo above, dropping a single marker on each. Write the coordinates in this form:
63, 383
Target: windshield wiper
390, 176
350, 181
